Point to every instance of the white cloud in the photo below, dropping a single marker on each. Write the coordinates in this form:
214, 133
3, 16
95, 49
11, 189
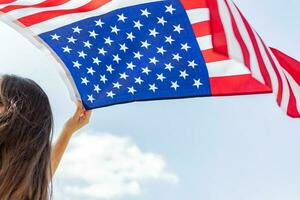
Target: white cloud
106, 166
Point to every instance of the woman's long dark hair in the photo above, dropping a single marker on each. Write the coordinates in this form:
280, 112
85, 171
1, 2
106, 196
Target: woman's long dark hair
26, 127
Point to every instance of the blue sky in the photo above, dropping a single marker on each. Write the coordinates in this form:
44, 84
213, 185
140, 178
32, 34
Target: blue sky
224, 148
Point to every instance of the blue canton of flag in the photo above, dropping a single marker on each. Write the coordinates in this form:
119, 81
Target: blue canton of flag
138, 53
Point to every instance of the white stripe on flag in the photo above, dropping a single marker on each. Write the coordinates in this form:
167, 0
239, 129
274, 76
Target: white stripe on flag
29, 11
226, 68
234, 48
21, 2
198, 15
6, 4
254, 66
205, 42
271, 72
71, 18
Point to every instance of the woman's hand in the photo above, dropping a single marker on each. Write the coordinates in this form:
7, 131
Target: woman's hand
80, 118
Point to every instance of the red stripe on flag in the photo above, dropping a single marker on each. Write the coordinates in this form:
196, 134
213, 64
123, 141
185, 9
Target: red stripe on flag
260, 60
291, 65
211, 56
246, 54
193, 4
292, 110
219, 38
47, 15
202, 29
280, 84
6, 1
47, 3
237, 85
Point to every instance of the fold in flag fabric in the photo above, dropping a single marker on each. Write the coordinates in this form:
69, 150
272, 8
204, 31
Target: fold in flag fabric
118, 51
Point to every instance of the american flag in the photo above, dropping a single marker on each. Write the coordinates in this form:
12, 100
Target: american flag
118, 51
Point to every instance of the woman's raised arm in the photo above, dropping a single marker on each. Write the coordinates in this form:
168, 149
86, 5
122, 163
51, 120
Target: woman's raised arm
80, 118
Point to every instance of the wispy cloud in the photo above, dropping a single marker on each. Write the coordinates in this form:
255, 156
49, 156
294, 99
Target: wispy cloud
104, 166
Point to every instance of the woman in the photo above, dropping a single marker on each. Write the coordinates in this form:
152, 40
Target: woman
27, 161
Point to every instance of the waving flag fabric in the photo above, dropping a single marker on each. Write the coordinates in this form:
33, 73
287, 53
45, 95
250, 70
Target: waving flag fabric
118, 51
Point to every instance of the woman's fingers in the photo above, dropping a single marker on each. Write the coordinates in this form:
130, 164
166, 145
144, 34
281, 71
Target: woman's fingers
86, 115
80, 109
81, 113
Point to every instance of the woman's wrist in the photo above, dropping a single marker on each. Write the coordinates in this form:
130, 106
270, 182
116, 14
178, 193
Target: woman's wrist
68, 131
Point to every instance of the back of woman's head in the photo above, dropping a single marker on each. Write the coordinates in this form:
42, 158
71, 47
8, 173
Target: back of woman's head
25, 140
